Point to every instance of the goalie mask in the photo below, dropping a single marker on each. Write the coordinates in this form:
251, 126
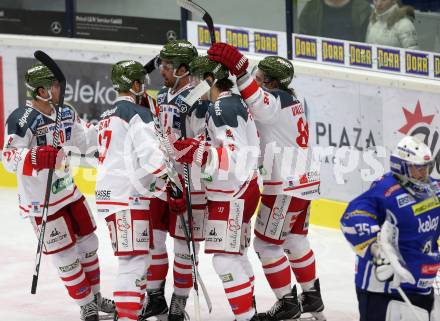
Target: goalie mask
412, 163
39, 76
274, 68
124, 73
202, 67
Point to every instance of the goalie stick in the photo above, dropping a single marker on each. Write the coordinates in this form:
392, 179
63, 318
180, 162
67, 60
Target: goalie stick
53, 67
204, 85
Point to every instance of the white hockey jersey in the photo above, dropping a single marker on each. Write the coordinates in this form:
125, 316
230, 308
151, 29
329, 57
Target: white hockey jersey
235, 148
171, 106
129, 158
26, 128
288, 167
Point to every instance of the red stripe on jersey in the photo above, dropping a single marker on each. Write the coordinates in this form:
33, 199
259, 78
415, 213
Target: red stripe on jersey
301, 186
27, 164
111, 203
272, 183
219, 191
223, 160
23, 209
249, 90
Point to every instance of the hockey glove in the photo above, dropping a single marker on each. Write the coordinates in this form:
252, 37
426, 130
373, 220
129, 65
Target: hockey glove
384, 271
45, 157
230, 57
176, 199
152, 65
191, 150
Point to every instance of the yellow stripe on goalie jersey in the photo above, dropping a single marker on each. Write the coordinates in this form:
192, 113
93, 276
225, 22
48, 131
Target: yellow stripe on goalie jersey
425, 205
361, 248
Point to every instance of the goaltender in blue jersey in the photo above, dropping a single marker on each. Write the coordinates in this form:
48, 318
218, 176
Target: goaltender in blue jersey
394, 229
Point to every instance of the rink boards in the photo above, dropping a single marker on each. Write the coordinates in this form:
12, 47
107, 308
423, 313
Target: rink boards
355, 116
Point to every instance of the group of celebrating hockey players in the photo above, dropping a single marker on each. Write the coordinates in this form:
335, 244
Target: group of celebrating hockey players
168, 166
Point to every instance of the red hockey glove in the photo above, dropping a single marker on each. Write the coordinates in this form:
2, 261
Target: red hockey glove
229, 56
176, 199
191, 150
44, 157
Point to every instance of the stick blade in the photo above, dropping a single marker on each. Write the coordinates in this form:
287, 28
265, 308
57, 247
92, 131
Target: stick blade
192, 7
51, 64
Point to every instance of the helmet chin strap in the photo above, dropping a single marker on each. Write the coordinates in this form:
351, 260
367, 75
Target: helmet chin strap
138, 94
45, 99
176, 83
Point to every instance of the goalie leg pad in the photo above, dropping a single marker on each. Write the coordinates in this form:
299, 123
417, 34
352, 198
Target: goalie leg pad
435, 312
400, 311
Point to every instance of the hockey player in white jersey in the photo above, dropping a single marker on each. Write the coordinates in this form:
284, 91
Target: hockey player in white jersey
394, 229
69, 239
228, 153
129, 162
174, 113
289, 181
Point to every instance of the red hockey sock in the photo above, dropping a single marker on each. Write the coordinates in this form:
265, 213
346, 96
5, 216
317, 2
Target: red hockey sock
304, 267
277, 273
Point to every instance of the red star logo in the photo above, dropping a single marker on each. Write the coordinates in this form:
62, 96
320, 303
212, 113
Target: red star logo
414, 118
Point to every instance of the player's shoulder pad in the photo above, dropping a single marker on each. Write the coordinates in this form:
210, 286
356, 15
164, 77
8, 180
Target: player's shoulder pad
385, 186
161, 95
144, 113
226, 111
200, 108
286, 99
21, 119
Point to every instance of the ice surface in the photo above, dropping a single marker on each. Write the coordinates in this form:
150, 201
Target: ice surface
335, 263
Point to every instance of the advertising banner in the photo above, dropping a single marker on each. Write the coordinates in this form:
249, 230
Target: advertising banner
27, 22
249, 40
129, 29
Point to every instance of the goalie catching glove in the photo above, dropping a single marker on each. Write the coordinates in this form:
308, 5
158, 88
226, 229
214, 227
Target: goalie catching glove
230, 57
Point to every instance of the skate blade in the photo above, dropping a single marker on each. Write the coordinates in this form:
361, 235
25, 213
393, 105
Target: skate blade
313, 316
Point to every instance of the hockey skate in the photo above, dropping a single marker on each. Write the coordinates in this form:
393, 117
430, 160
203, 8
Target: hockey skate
89, 312
287, 308
105, 305
155, 306
177, 308
311, 303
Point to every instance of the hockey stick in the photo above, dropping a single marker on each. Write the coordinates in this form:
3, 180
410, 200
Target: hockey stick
204, 85
389, 251
53, 67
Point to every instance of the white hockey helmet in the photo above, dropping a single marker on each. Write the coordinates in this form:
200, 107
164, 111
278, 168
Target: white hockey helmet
410, 159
